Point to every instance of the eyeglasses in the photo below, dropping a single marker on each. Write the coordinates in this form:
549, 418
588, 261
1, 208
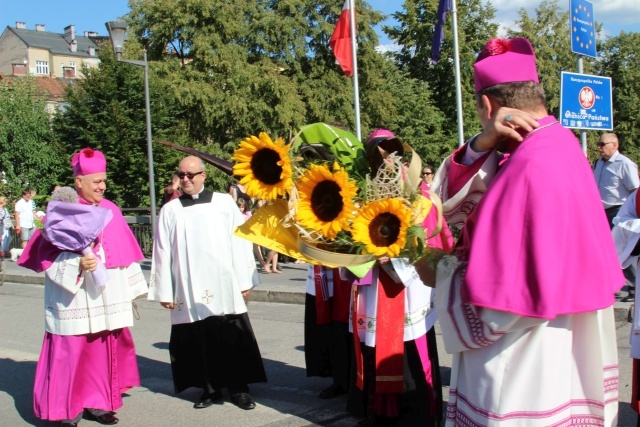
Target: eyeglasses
189, 175
427, 173
602, 144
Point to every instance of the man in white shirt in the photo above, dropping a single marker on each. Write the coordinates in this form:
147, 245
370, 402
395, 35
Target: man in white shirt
201, 272
617, 178
25, 216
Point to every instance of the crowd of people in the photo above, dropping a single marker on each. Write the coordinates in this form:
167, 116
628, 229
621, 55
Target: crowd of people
523, 295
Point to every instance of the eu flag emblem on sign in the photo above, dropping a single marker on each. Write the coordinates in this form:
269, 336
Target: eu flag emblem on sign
583, 29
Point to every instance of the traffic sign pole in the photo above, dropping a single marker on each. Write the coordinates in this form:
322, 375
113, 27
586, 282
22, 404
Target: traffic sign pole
583, 133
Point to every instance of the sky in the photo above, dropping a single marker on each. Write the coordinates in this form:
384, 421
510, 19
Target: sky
90, 15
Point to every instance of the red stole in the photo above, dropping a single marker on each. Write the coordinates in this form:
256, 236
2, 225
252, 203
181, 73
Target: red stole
389, 336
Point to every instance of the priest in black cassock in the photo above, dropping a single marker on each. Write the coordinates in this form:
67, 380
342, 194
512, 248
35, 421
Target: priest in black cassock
202, 272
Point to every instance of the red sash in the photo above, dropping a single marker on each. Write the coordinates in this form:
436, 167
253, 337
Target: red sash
341, 298
356, 339
389, 335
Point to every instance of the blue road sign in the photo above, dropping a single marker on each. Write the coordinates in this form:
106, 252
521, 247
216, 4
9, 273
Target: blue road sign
583, 30
586, 102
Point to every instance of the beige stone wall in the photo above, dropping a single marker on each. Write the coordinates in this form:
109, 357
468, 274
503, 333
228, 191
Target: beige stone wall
12, 51
64, 60
35, 55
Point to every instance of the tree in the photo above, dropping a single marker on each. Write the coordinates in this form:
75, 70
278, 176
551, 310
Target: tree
29, 157
414, 34
258, 66
106, 111
620, 60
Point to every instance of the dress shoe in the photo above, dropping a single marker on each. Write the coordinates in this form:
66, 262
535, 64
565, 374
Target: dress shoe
629, 298
207, 400
243, 400
332, 391
106, 418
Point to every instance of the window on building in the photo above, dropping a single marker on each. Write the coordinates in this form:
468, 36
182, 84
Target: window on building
42, 67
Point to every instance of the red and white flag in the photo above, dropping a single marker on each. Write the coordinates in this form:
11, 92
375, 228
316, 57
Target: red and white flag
341, 41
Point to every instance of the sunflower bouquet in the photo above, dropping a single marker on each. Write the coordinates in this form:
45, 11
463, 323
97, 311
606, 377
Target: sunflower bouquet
332, 200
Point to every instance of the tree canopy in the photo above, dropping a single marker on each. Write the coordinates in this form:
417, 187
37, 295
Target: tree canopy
29, 157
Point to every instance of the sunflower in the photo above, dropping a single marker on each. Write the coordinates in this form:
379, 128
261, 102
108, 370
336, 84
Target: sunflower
382, 227
264, 167
326, 200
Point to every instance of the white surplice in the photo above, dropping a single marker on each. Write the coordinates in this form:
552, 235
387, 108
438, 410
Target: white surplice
75, 305
419, 316
510, 370
203, 275
626, 234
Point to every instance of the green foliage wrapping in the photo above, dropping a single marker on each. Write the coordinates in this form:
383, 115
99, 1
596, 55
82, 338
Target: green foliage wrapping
342, 145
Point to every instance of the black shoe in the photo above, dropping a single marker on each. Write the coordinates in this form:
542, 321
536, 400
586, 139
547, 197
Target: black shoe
629, 298
208, 399
332, 391
243, 400
107, 418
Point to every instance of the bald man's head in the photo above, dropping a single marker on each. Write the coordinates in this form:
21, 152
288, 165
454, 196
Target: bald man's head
192, 175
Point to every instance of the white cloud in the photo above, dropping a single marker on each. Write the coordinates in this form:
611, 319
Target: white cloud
615, 15
384, 48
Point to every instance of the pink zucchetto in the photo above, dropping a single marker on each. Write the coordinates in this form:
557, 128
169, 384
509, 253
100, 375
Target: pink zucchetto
88, 161
505, 61
381, 133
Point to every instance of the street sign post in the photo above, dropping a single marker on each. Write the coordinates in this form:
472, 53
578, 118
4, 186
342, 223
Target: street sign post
586, 102
583, 32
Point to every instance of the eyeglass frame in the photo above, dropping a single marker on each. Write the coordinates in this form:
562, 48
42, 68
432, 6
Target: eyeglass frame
602, 144
189, 175
427, 173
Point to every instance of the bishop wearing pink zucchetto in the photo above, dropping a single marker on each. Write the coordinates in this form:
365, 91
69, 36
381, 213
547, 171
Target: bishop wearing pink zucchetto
88, 358
525, 305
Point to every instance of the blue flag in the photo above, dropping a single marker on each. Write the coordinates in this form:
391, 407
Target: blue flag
438, 32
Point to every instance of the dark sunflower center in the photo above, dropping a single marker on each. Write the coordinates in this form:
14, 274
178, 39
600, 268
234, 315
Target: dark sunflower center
326, 201
384, 229
264, 165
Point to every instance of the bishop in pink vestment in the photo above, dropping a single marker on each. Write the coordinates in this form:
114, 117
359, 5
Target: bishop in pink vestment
525, 305
88, 357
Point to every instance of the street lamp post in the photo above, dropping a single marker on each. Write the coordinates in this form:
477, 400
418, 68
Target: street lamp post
117, 31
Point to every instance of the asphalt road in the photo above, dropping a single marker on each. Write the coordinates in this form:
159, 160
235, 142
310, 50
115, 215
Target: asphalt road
288, 399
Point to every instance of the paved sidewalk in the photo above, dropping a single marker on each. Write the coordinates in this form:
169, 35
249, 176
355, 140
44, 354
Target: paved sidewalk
287, 288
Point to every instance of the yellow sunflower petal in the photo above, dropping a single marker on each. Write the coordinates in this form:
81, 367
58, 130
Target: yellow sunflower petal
382, 227
326, 200
263, 166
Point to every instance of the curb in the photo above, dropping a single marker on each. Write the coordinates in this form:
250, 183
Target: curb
26, 280
281, 297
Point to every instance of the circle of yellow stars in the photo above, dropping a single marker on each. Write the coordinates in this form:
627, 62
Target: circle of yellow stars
589, 42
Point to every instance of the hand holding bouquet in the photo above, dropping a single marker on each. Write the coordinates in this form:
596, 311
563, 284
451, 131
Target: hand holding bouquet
71, 226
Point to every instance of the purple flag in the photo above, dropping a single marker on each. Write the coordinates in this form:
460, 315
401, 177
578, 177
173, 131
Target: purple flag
438, 32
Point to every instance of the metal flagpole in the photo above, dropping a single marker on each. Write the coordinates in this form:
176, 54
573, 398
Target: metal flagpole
456, 62
356, 93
